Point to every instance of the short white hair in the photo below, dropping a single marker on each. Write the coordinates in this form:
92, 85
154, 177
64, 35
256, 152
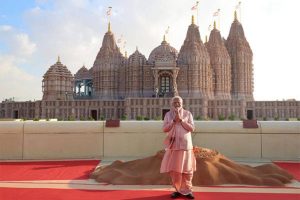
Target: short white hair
176, 97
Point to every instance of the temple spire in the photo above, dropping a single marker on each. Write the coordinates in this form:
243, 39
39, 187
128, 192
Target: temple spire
235, 16
58, 59
108, 26
215, 26
193, 19
206, 39
164, 38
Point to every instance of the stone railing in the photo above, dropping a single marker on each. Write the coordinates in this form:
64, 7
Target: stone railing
91, 139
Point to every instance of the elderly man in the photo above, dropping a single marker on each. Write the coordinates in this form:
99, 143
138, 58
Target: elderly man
179, 160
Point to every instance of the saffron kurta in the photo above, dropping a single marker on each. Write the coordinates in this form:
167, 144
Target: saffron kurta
179, 156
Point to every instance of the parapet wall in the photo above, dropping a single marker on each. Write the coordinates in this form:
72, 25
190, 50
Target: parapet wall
91, 139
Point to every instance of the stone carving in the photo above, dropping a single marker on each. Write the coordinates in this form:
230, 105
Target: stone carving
58, 83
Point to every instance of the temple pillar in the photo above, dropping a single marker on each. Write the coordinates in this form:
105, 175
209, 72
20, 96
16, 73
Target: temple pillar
156, 76
43, 106
174, 76
205, 108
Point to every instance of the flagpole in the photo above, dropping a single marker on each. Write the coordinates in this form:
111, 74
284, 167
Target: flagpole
240, 12
197, 13
219, 19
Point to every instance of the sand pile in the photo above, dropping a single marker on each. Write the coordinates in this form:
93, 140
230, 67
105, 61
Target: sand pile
213, 168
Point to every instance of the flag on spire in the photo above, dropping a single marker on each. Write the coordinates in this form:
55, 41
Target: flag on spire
108, 12
120, 39
239, 9
238, 6
124, 44
195, 7
167, 30
217, 13
209, 27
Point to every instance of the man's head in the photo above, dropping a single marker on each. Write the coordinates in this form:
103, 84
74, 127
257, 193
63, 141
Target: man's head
176, 102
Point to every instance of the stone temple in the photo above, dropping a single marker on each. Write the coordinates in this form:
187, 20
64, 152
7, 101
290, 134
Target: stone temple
215, 79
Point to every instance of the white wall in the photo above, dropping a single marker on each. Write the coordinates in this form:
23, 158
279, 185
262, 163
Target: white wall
91, 139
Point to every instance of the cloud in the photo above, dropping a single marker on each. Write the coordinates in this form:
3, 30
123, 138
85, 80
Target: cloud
67, 30
18, 43
25, 46
17, 83
5, 28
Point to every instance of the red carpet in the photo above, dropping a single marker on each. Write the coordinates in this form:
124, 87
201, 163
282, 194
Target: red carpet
292, 167
64, 194
46, 170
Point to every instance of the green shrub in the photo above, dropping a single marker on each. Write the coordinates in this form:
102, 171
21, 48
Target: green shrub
36, 119
199, 118
90, 118
276, 118
102, 118
157, 118
146, 118
82, 118
265, 118
221, 117
231, 117
207, 118
139, 118
70, 118
124, 117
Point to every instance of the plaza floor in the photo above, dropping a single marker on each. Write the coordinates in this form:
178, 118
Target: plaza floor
69, 180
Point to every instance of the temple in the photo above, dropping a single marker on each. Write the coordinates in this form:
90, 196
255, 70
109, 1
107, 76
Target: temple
215, 79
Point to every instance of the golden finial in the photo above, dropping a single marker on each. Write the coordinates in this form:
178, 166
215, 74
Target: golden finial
206, 39
125, 54
108, 26
215, 26
164, 38
58, 59
235, 15
193, 19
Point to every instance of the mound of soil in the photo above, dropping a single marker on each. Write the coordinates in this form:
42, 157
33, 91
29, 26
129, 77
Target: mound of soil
213, 168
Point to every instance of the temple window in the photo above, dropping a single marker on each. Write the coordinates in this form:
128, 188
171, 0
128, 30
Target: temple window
165, 84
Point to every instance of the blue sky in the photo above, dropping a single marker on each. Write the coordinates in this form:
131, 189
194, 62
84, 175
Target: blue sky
11, 13
34, 32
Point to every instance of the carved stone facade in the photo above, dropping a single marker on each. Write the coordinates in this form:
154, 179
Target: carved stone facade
107, 68
221, 65
214, 78
58, 83
241, 62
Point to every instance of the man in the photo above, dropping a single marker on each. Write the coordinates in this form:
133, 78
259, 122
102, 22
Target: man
179, 160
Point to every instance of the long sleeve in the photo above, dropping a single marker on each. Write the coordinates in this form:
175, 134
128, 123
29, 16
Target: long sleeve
189, 123
168, 123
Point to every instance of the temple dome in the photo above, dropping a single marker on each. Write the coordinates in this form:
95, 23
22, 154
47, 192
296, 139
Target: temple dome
58, 83
163, 53
83, 73
136, 57
58, 69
